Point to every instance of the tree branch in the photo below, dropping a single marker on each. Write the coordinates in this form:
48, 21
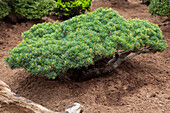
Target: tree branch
139, 52
112, 63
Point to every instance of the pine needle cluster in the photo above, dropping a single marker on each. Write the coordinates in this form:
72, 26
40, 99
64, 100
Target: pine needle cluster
70, 8
160, 8
30, 9
4, 9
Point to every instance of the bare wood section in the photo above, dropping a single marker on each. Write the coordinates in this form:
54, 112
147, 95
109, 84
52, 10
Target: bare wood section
12, 103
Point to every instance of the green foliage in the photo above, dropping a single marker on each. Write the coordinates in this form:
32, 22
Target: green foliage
4, 9
160, 8
51, 49
32, 9
70, 8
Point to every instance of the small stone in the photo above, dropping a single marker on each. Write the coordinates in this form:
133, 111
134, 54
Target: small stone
153, 95
1, 42
168, 98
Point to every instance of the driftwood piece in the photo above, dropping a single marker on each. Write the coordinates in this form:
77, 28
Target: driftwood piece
12, 103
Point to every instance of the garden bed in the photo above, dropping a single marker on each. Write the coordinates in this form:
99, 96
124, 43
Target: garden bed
141, 84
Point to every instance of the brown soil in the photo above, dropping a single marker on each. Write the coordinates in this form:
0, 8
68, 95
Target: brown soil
140, 85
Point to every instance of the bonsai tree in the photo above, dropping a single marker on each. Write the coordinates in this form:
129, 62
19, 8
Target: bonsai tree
160, 8
53, 49
70, 8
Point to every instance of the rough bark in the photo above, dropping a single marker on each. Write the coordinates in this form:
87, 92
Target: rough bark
12, 103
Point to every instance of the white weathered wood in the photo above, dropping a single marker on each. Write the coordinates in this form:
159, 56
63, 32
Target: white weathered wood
12, 103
